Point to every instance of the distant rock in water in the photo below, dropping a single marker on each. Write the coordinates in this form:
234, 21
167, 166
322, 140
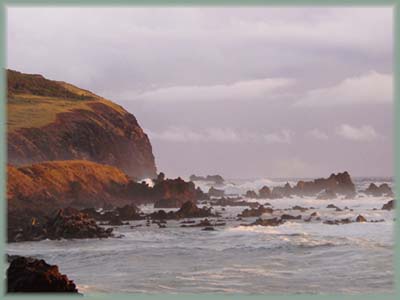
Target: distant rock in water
251, 195
173, 193
326, 195
255, 212
389, 205
187, 210
29, 275
377, 191
217, 179
52, 120
264, 192
340, 183
213, 192
267, 222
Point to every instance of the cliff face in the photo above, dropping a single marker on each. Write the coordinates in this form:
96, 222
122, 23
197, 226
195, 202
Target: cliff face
46, 186
50, 120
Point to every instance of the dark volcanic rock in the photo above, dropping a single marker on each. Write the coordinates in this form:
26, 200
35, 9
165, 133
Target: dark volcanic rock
167, 203
389, 205
234, 202
264, 192
326, 195
251, 195
340, 183
213, 192
338, 222
361, 219
255, 212
129, 212
32, 275
190, 210
217, 179
176, 190
332, 206
279, 191
290, 217
297, 207
69, 223
377, 191
267, 222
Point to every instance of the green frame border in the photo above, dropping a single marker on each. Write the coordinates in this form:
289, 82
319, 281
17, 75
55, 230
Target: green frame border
3, 150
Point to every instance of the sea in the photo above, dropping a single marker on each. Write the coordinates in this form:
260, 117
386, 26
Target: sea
293, 258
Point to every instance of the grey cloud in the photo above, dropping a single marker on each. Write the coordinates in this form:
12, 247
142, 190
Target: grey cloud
278, 64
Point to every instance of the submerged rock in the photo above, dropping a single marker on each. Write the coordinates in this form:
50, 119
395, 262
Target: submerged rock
32, 275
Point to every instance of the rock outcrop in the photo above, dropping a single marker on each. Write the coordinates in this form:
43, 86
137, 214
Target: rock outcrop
51, 120
173, 193
213, 192
377, 191
67, 223
389, 205
255, 212
217, 179
29, 275
264, 192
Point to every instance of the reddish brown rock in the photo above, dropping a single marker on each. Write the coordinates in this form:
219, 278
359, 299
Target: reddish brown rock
30, 275
90, 128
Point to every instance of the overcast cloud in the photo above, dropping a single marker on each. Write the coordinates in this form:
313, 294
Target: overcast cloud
243, 92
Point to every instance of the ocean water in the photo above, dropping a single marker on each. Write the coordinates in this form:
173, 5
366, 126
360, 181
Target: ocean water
295, 257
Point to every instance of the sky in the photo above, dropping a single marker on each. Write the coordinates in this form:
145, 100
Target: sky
245, 92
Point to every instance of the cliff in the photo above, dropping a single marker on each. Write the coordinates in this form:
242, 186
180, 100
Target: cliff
52, 120
50, 185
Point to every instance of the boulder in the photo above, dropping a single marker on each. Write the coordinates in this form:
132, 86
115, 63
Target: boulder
389, 205
30, 275
361, 219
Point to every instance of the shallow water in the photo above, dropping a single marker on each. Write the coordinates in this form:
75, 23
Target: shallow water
295, 257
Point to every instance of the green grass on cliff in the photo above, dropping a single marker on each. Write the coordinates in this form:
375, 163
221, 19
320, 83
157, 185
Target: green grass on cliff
34, 101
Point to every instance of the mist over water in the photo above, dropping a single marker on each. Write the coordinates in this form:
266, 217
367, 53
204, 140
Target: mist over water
295, 257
